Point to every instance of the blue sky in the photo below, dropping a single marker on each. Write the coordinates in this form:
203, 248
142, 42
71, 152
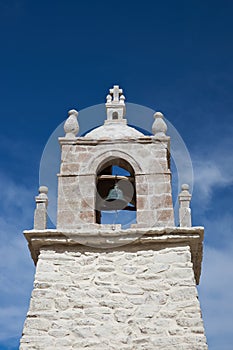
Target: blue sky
172, 56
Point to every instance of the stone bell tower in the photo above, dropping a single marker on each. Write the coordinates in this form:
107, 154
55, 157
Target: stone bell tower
103, 284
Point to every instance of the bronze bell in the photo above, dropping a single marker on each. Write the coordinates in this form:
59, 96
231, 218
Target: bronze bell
115, 199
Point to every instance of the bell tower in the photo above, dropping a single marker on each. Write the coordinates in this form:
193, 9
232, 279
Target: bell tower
102, 282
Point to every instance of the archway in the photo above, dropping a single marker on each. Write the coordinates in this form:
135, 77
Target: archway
115, 193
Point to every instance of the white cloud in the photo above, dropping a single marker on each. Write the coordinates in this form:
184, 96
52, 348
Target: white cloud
216, 296
213, 168
14, 196
219, 229
209, 175
213, 178
16, 266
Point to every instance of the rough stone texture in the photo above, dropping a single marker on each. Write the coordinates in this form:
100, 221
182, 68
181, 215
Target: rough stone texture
80, 161
121, 299
112, 237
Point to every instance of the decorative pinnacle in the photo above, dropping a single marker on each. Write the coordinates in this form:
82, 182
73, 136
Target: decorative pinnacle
40, 213
73, 112
185, 187
42, 197
184, 210
109, 98
122, 99
184, 194
71, 126
159, 126
43, 189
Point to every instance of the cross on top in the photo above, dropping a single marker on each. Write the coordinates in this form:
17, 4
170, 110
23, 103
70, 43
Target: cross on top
116, 92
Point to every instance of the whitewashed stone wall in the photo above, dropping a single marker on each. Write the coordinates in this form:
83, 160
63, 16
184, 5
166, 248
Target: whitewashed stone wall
124, 300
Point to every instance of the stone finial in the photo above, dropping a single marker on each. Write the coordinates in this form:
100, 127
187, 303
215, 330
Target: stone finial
122, 99
71, 126
115, 106
109, 98
184, 210
40, 214
159, 126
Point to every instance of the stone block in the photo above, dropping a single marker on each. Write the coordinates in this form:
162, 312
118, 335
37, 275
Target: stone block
69, 168
162, 201
165, 216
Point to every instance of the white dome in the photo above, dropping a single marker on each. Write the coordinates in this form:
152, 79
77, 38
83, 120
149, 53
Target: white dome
114, 131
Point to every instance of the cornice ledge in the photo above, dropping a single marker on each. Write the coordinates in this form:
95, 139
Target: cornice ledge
117, 239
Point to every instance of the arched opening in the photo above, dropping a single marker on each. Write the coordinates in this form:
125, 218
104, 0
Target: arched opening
115, 115
115, 194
